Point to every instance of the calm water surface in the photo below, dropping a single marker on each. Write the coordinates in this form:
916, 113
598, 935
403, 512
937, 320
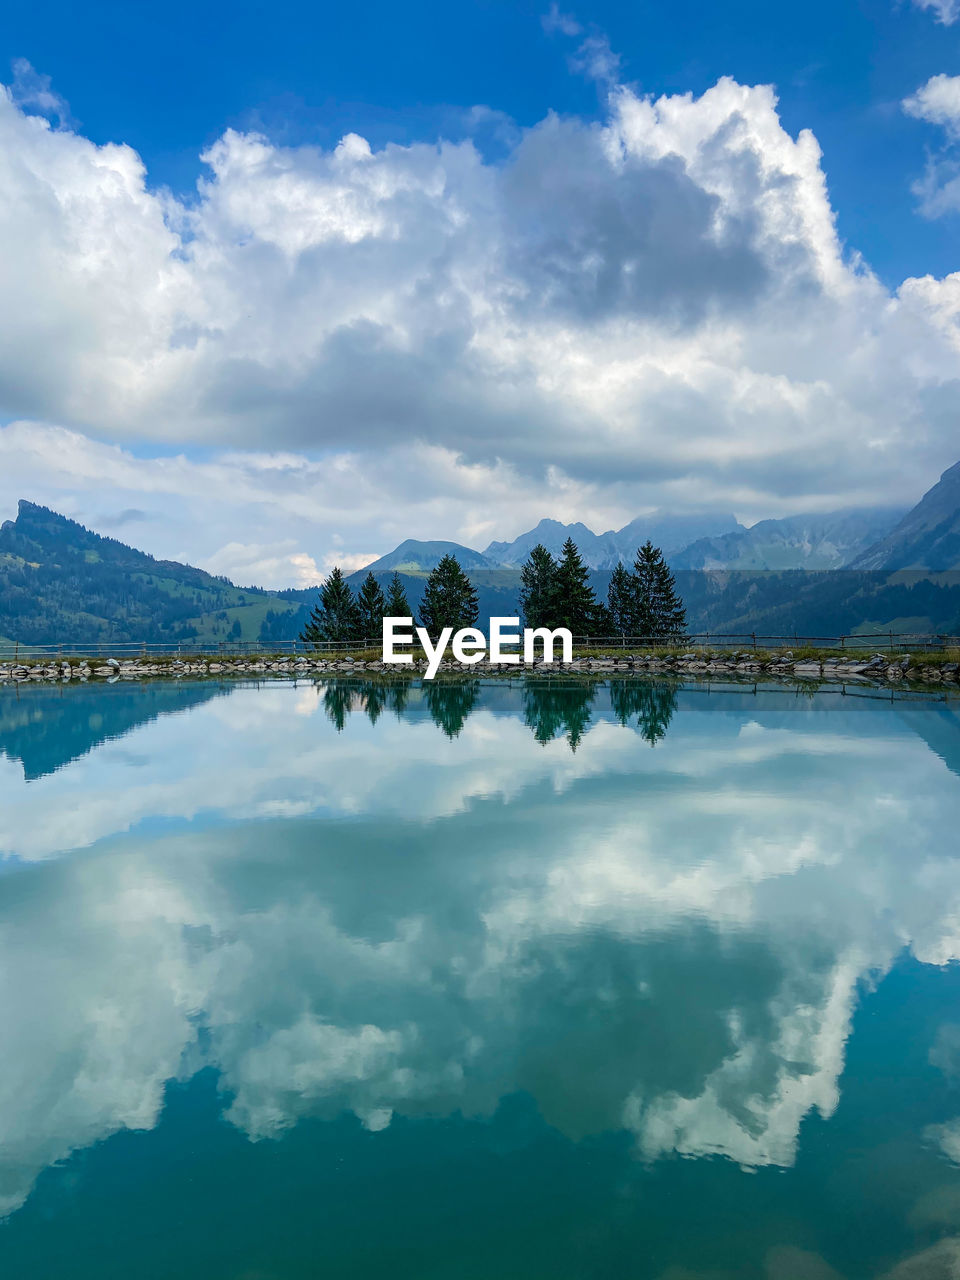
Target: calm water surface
455, 982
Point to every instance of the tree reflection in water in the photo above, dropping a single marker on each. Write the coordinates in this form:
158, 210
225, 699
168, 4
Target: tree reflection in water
551, 709
554, 710
652, 702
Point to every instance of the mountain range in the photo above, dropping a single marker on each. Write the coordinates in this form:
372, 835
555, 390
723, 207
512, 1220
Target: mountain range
710, 541
607, 550
869, 569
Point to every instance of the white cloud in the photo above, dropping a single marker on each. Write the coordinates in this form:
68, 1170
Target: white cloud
938, 102
122, 950
945, 11
349, 561
255, 563
289, 507
34, 92
596, 60
650, 311
556, 20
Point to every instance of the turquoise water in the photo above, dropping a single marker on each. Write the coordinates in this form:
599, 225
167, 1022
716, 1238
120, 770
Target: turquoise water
478, 980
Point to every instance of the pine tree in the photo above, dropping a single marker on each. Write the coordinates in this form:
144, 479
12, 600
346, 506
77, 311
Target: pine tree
622, 602
449, 599
397, 605
371, 605
538, 588
336, 616
602, 620
576, 603
660, 611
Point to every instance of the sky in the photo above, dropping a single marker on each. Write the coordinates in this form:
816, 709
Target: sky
283, 285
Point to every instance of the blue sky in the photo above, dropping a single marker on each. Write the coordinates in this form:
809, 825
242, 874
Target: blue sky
168, 79
288, 283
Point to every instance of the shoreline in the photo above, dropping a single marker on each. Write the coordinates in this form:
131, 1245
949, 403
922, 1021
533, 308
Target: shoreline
878, 670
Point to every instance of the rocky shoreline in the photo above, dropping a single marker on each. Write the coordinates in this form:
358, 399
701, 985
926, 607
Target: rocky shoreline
878, 667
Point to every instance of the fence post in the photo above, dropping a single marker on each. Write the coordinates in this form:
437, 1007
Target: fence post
841, 642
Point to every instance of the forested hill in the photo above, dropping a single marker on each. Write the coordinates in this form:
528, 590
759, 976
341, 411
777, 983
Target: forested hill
60, 583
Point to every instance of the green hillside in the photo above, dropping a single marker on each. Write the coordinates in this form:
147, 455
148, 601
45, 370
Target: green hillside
60, 583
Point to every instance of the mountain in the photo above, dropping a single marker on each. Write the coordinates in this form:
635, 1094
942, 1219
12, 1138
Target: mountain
796, 542
607, 550
553, 535
60, 583
928, 536
670, 533
421, 557
818, 603
595, 549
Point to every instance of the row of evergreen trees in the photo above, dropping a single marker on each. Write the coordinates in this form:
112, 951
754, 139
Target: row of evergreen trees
549, 710
340, 616
449, 600
553, 593
642, 602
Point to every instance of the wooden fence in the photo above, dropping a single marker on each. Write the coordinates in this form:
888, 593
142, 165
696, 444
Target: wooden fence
883, 641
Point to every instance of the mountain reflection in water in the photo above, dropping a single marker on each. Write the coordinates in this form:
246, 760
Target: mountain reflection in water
367, 978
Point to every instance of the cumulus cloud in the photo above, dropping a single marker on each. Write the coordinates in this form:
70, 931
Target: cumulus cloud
654, 309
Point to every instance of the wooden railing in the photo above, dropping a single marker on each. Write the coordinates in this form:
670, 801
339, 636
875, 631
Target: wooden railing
905, 642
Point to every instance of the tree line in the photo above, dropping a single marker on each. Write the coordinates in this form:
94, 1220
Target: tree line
554, 592
449, 600
640, 602
549, 711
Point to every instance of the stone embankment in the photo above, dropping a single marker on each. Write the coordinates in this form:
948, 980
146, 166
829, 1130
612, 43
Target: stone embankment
878, 667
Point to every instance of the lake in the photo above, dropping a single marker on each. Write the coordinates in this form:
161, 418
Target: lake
510, 978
